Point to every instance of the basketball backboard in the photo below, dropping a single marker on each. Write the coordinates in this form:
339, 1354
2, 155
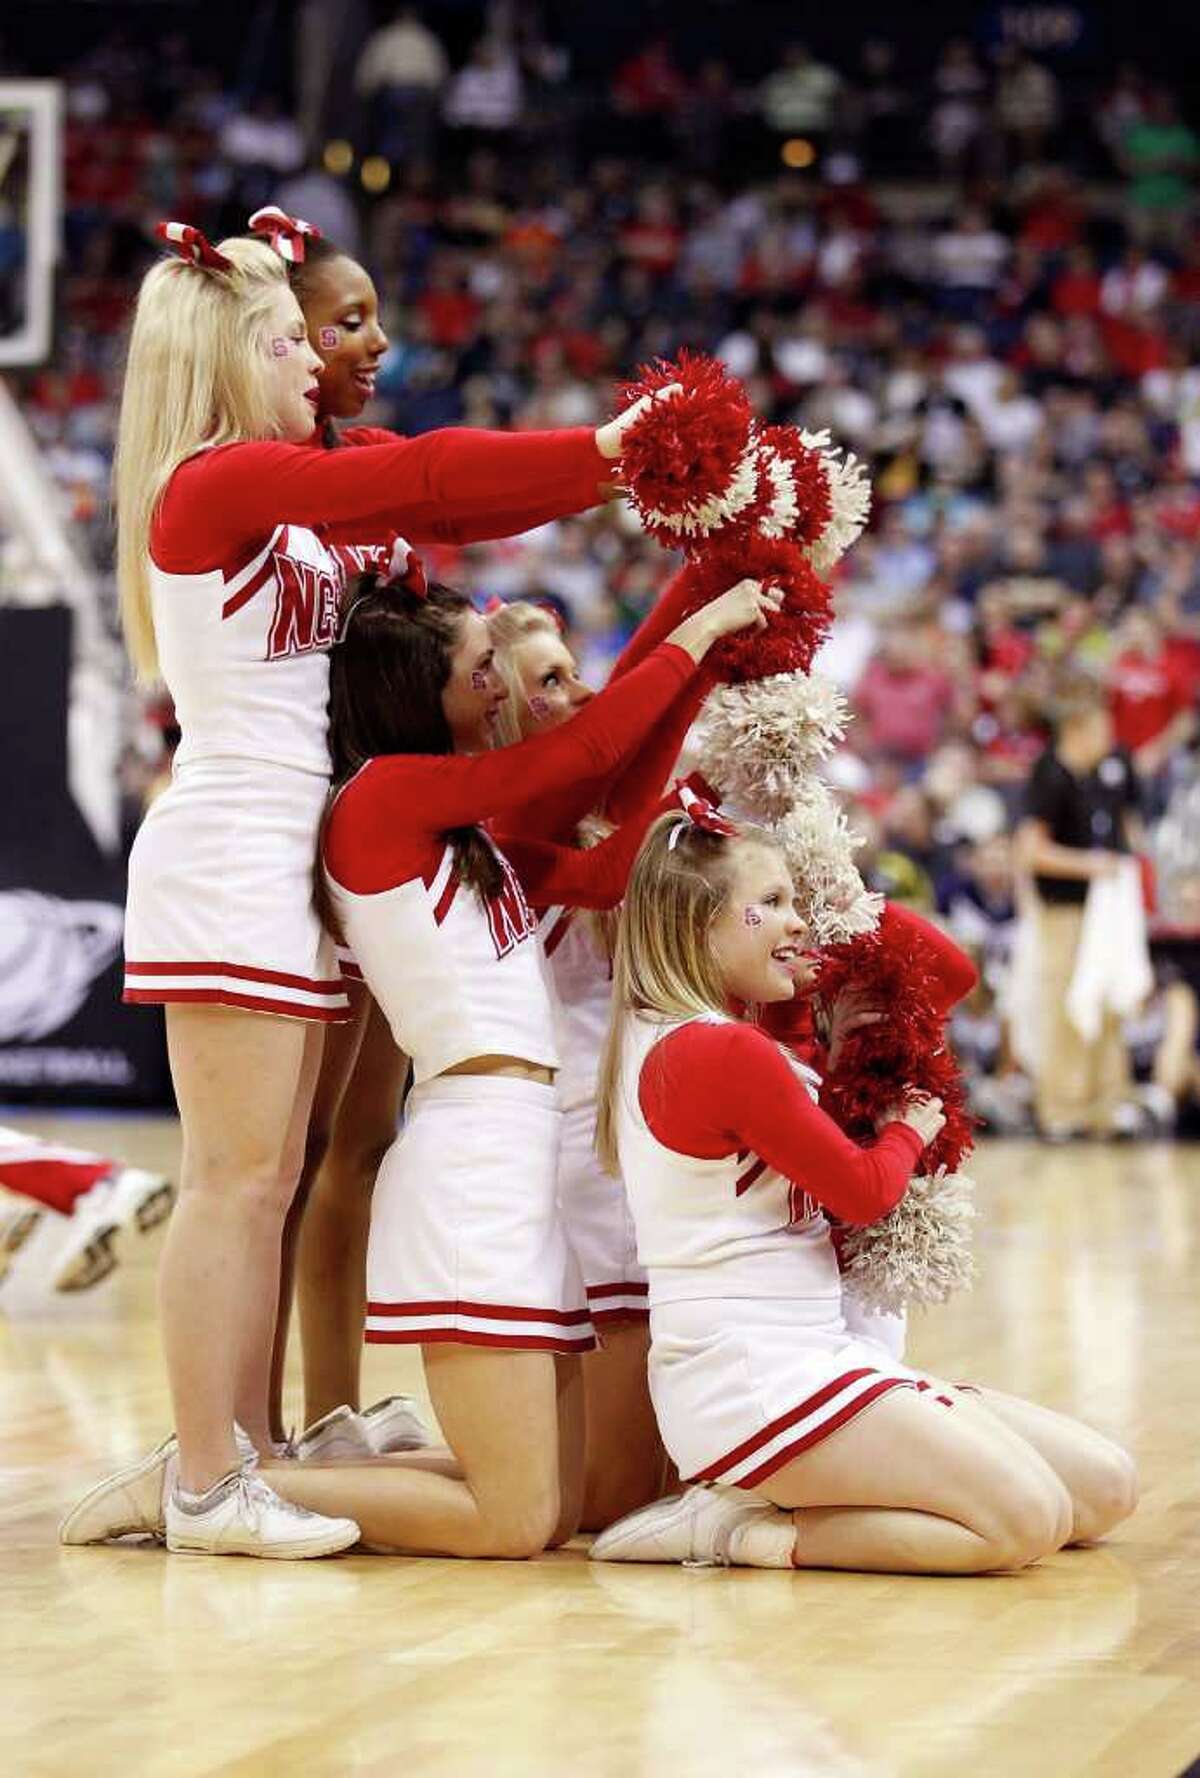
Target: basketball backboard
30, 208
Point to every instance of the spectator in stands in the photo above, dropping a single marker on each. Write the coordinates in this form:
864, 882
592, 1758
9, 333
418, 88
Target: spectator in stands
903, 702
401, 73
1151, 700
798, 99
486, 95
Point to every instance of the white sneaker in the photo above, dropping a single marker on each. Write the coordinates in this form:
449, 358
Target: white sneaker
693, 1528
130, 1503
395, 1424
243, 1516
128, 1199
341, 1433
392, 1424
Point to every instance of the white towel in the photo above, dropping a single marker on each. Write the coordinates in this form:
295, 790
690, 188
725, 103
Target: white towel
1112, 966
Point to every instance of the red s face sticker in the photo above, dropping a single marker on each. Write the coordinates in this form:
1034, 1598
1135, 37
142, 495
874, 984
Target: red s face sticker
327, 338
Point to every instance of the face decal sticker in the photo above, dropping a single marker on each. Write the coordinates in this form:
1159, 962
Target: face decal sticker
479, 680
539, 708
327, 338
751, 917
280, 347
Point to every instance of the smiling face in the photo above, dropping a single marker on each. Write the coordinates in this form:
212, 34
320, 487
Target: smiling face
341, 311
758, 938
292, 368
548, 682
472, 696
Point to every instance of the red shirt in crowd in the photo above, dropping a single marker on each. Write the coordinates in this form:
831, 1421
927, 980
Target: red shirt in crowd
904, 710
1146, 693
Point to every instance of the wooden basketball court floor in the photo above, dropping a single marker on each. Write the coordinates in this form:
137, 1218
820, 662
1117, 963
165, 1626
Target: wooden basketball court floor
125, 1661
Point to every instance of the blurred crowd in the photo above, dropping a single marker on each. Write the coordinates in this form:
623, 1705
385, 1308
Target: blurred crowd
983, 276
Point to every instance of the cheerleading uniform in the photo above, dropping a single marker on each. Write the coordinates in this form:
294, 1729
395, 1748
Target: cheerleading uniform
729, 1165
466, 1240
250, 551
592, 1202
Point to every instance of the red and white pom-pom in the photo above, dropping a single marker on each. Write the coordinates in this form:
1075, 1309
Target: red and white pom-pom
760, 740
819, 847
850, 501
689, 463
792, 635
804, 513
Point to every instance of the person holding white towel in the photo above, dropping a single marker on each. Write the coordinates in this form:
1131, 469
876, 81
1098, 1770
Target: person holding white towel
1081, 815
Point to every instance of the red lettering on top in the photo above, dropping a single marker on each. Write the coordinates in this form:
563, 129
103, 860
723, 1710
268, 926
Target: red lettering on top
306, 608
509, 916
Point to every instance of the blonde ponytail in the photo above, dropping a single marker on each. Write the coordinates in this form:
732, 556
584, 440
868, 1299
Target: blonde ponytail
195, 376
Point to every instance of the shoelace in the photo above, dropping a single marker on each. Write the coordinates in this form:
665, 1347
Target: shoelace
256, 1497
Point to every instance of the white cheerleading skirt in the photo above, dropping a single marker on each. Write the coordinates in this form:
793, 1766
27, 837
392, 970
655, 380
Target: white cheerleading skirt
220, 901
467, 1244
599, 1226
742, 1386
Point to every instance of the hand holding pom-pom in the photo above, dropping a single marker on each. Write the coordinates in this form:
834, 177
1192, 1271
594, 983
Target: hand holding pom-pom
920, 1252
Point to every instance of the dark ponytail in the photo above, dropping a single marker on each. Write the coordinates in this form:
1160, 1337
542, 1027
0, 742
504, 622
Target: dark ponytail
386, 679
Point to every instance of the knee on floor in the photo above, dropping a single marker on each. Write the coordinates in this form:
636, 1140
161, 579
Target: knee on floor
1108, 1494
1032, 1519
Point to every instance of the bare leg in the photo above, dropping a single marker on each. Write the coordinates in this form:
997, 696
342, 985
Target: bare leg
500, 1414
331, 1276
337, 1060
625, 1458
1098, 1475
1175, 1058
569, 1389
237, 1076
253, 1401
914, 1488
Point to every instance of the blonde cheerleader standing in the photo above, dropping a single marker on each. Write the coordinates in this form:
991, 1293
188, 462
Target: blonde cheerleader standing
232, 540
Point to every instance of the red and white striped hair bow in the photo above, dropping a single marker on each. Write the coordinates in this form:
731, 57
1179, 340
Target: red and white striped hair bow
699, 812
192, 244
406, 569
286, 234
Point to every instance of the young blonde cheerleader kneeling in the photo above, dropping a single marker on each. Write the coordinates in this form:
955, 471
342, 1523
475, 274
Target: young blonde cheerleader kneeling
806, 1446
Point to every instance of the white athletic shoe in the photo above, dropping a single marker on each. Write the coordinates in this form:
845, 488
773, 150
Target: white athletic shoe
243, 1516
392, 1424
128, 1199
130, 1503
395, 1424
693, 1528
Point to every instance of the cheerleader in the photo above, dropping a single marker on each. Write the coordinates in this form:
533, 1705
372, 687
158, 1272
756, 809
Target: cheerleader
625, 1462
467, 1255
805, 1446
94, 1198
232, 538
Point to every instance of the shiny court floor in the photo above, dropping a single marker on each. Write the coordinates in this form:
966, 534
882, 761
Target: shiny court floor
126, 1662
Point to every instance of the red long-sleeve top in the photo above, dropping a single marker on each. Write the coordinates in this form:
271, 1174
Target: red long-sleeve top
711, 1090
389, 823
457, 485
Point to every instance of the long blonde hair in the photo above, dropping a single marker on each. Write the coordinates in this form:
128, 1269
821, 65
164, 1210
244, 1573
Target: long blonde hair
508, 627
195, 375
663, 962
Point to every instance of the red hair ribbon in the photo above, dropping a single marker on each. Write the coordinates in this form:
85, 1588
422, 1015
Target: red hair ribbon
192, 244
286, 234
406, 569
704, 815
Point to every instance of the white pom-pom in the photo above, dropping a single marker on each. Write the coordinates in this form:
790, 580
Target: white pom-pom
759, 741
920, 1252
819, 847
699, 518
850, 493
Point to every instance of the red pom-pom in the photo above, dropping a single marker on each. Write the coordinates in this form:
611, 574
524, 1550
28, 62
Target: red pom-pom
688, 462
891, 967
814, 502
791, 638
